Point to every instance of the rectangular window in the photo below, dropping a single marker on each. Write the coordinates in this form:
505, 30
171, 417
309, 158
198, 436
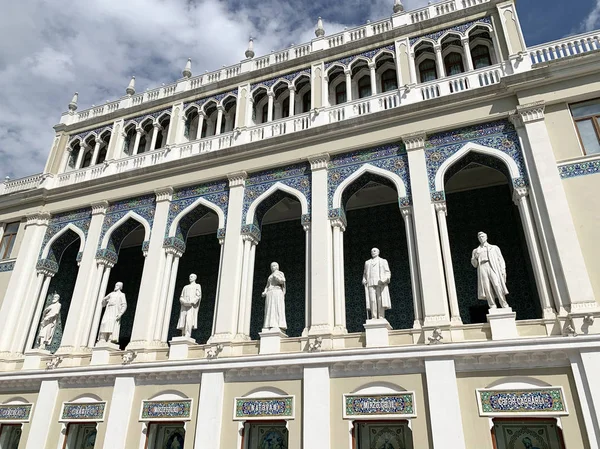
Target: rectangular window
263, 434
10, 435
382, 435
586, 115
166, 435
8, 239
81, 436
527, 433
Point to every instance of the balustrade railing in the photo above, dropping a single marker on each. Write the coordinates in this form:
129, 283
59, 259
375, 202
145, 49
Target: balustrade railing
571, 46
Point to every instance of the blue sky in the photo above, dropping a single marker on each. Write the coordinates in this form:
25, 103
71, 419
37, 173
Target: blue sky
94, 46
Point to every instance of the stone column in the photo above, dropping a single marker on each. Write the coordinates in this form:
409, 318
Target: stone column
414, 266
121, 406
316, 413
321, 275
42, 413
82, 149
64, 163
586, 371
292, 90
96, 151
339, 300
435, 299
439, 60
307, 271
372, 73
245, 310
98, 292
144, 323
164, 335
412, 67
227, 306
201, 118
467, 51
271, 96
83, 301
565, 249
210, 411
155, 130
326, 102
22, 283
138, 136
46, 276
441, 211
348, 74
166, 299
220, 110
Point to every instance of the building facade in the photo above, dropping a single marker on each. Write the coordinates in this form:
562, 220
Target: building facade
411, 135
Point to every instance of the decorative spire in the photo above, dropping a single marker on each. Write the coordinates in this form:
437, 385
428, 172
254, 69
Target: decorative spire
398, 7
250, 52
131, 87
187, 71
73, 103
320, 31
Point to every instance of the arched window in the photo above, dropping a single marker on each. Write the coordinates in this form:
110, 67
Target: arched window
454, 64
285, 108
389, 80
428, 71
481, 56
340, 93
364, 87
306, 102
101, 155
204, 130
87, 158
265, 113
191, 125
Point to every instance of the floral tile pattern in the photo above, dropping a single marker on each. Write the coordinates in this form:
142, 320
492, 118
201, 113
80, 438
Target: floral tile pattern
75, 411
498, 402
7, 266
253, 408
579, 169
289, 77
217, 98
379, 405
369, 54
79, 218
95, 132
460, 29
166, 410
15, 412
140, 118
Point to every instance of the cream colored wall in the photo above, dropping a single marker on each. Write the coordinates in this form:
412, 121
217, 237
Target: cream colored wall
69, 395
18, 241
146, 392
229, 431
561, 129
582, 194
340, 428
27, 397
477, 428
4, 280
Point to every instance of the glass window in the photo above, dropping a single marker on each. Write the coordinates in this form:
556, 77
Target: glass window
532, 433
586, 115
428, 71
101, 155
285, 108
389, 81
265, 113
454, 64
166, 436
87, 158
382, 434
340, 93
261, 435
364, 87
81, 436
481, 56
306, 102
10, 435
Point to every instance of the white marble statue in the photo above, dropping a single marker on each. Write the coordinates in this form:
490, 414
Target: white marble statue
491, 272
376, 279
190, 302
274, 294
49, 320
116, 305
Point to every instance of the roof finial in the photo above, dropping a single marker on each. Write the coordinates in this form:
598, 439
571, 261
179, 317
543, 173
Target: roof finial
320, 31
131, 87
187, 71
73, 103
398, 7
250, 52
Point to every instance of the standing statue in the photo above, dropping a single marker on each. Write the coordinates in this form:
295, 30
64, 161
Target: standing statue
49, 320
491, 272
190, 302
274, 295
376, 279
116, 305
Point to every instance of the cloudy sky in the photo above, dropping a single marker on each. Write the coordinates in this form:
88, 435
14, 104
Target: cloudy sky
49, 49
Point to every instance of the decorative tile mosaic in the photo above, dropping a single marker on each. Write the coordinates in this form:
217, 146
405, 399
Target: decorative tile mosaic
174, 242
500, 135
15, 413
7, 266
96, 132
140, 118
379, 405
166, 410
369, 54
535, 401
459, 29
252, 230
289, 77
268, 408
48, 265
391, 158
217, 98
579, 169
77, 411
79, 218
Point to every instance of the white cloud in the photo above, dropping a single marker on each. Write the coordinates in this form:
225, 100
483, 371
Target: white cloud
592, 21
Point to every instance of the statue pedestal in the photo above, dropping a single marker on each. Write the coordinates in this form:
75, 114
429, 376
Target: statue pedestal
502, 323
102, 351
180, 347
270, 341
33, 358
376, 332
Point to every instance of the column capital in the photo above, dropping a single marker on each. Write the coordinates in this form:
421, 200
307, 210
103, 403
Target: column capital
319, 161
406, 211
437, 48
270, 93
46, 267
37, 218
465, 40
221, 108
250, 238
98, 140
414, 141
531, 112
157, 126
99, 207
292, 88
163, 194
139, 130
347, 72
440, 206
237, 179
371, 65
519, 193
338, 223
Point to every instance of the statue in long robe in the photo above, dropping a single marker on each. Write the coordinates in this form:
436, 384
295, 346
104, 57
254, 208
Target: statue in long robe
116, 305
491, 272
49, 319
190, 302
274, 294
376, 279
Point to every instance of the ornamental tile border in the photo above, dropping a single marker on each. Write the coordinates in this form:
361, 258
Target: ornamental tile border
392, 158
8, 265
369, 54
82, 411
548, 401
281, 407
377, 406
176, 410
199, 102
15, 413
576, 169
80, 218
289, 77
140, 118
83, 135
460, 29
499, 135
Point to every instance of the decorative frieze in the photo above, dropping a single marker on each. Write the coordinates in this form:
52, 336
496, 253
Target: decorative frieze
289, 79
375, 406
319, 161
178, 410
47, 267
198, 103
80, 411
15, 413
237, 179
369, 55
414, 141
536, 401
263, 408
458, 29
532, 112
582, 168
7, 265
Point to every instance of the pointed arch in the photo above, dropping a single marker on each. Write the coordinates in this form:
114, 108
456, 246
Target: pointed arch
200, 201
333, 66
208, 104
133, 215
487, 26
358, 60
65, 229
299, 77
162, 115
368, 168
191, 107
423, 40
74, 140
384, 52
229, 97
448, 34
275, 187
475, 147
258, 88
146, 120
